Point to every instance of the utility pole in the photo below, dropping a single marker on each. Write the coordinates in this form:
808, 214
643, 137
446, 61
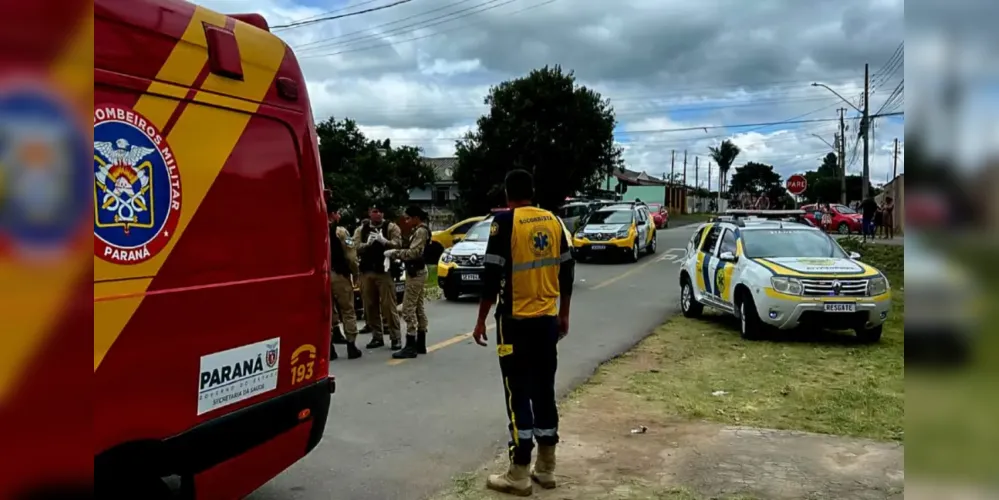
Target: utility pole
842, 156
865, 126
709, 178
683, 189
697, 173
894, 169
672, 175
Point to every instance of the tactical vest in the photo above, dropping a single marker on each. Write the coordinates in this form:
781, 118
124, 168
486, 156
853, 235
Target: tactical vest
418, 264
372, 259
338, 259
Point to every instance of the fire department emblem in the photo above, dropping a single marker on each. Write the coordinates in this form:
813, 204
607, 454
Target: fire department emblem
41, 184
272, 355
137, 190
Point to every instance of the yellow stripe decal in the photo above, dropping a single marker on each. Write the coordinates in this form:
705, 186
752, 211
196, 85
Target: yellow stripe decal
202, 140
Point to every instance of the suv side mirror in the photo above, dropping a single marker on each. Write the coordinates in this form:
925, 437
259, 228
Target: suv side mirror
728, 257
854, 255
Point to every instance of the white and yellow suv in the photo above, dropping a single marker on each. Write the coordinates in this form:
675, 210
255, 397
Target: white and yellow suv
773, 273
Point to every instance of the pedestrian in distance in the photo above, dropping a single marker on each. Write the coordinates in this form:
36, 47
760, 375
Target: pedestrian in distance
888, 217
373, 238
868, 209
415, 260
343, 269
529, 267
879, 224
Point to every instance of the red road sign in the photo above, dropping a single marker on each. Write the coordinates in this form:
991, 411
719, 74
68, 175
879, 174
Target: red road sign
796, 184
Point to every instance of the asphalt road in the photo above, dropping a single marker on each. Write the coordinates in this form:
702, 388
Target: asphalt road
402, 429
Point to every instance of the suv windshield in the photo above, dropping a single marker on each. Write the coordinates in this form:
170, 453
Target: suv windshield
609, 217
776, 243
479, 232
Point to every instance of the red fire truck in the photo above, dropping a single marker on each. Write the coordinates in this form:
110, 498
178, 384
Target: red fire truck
211, 254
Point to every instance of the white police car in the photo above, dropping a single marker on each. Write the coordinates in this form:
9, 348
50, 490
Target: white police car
780, 274
461, 267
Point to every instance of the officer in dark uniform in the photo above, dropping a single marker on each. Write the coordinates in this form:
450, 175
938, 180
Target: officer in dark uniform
529, 266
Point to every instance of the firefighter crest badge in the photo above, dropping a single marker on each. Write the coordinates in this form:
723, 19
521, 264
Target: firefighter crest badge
272, 355
137, 189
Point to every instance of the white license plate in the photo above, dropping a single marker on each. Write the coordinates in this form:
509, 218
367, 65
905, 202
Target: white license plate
599, 247
400, 287
469, 277
841, 307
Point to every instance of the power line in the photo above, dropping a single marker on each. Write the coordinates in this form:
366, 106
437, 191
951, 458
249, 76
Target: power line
895, 94
690, 129
334, 11
328, 43
441, 32
890, 68
299, 24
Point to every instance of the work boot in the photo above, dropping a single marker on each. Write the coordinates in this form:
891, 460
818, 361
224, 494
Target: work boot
543, 472
396, 345
336, 335
352, 351
333, 354
421, 342
409, 351
375, 344
516, 481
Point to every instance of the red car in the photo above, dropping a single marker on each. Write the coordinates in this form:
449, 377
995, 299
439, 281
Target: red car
660, 216
839, 218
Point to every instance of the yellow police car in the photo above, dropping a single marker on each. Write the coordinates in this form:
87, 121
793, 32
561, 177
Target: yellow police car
460, 268
621, 229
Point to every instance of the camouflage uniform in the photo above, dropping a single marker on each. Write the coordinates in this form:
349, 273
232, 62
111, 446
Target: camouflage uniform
377, 288
412, 302
343, 260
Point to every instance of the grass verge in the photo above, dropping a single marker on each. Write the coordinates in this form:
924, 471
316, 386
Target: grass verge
819, 382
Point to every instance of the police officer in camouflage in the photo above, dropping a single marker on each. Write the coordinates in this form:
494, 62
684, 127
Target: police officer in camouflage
343, 269
373, 238
412, 256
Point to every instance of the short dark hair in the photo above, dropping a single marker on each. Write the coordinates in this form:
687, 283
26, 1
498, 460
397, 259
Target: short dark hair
416, 211
519, 185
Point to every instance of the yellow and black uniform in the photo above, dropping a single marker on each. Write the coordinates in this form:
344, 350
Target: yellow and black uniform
528, 265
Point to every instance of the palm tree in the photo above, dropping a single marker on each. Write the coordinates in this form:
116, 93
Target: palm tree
724, 156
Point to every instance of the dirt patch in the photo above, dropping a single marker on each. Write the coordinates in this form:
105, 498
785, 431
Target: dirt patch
602, 458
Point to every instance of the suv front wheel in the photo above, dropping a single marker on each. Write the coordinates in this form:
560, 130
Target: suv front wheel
688, 302
750, 326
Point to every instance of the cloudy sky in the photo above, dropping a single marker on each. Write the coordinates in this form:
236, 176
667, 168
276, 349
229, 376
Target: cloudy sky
679, 73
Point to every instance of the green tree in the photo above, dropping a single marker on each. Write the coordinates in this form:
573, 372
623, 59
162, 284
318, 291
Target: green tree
724, 156
759, 179
360, 172
546, 124
824, 183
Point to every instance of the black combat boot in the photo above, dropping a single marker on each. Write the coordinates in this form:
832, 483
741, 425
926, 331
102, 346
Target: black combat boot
375, 344
336, 335
352, 351
396, 345
409, 351
333, 354
421, 342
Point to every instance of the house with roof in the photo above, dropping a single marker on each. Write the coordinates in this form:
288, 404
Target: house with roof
444, 190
